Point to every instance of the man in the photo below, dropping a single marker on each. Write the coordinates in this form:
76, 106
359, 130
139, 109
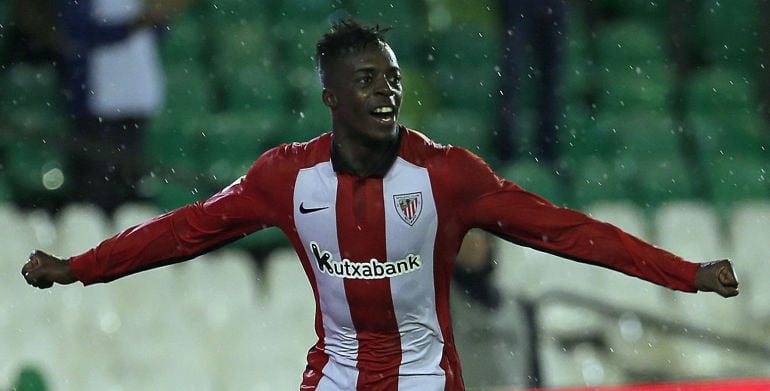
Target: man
376, 213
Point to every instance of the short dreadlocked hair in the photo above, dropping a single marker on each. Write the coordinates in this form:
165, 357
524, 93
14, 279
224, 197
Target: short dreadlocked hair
346, 36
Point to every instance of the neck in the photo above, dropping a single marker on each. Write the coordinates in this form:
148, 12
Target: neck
363, 158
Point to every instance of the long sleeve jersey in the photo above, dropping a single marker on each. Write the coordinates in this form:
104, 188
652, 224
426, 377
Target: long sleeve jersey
379, 251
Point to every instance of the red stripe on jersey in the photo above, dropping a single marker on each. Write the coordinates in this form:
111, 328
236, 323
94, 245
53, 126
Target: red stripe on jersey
361, 233
316, 357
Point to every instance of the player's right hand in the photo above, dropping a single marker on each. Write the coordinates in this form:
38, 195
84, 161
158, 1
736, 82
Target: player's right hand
43, 270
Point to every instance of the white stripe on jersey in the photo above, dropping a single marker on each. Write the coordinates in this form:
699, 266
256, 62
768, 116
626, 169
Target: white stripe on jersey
316, 187
413, 294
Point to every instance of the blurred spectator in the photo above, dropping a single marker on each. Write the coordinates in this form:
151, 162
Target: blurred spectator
114, 84
491, 332
532, 36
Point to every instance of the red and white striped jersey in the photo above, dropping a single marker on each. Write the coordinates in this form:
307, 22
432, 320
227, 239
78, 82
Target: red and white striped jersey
379, 251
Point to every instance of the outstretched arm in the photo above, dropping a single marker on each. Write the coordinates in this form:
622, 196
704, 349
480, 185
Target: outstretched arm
179, 235
501, 207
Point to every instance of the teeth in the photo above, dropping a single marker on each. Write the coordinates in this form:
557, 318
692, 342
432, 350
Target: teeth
383, 110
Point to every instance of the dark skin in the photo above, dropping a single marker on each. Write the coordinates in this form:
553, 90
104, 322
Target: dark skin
356, 86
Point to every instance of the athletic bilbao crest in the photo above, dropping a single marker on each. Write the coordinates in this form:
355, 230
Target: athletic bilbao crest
408, 206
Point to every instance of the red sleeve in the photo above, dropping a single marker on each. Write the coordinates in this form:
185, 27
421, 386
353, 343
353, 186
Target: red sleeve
184, 233
505, 209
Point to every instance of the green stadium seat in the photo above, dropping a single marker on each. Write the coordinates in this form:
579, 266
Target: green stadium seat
595, 179
463, 128
737, 179
731, 134
254, 87
629, 43
407, 20
172, 146
482, 14
581, 136
729, 32
577, 66
188, 93
537, 178
232, 142
474, 88
419, 97
238, 45
229, 12
658, 180
465, 73
640, 135
635, 86
29, 165
720, 90
642, 10
30, 100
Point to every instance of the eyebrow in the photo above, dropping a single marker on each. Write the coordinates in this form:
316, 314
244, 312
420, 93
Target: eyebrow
371, 69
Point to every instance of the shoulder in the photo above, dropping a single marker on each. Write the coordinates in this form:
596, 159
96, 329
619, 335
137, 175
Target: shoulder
283, 161
418, 149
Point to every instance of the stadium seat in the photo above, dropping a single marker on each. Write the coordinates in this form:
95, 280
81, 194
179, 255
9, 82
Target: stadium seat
720, 90
80, 227
748, 223
232, 142
131, 214
690, 229
622, 214
516, 273
188, 94
735, 179
595, 180
537, 178
637, 86
729, 32
640, 135
638, 10
465, 61
581, 137
288, 320
183, 43
407, 20
641, 349
625, 43
556, 365
693, 230
732, 133
656, 181
462, 128
578, 66
419, 98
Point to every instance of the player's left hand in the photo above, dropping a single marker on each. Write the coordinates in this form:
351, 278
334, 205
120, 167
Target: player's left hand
717, 276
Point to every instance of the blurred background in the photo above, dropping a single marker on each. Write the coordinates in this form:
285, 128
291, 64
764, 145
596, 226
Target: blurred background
649, 114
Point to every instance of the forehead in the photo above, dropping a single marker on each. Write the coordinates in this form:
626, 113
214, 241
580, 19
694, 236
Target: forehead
372, 56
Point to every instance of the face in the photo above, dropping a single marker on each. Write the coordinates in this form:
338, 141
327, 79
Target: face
363, 91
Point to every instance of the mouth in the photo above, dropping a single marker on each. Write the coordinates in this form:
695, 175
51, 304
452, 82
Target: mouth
384, 114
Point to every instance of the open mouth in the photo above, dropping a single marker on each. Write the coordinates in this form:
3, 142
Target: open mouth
384, 114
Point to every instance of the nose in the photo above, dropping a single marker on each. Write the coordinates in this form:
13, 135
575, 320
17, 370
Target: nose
384, 87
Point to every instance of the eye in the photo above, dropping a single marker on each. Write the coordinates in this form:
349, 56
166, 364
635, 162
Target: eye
364, 80
395, 79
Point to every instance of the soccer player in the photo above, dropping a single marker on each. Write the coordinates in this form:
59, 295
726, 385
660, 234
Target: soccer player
376, 213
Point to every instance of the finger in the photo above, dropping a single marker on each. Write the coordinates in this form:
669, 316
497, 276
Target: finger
728, 292
727, 276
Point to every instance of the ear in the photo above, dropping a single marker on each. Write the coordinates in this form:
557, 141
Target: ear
330, 100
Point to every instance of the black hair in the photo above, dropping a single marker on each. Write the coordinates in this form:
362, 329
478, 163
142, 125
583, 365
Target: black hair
346, 36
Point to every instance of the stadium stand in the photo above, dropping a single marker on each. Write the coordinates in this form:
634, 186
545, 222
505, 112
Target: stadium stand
241, 79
